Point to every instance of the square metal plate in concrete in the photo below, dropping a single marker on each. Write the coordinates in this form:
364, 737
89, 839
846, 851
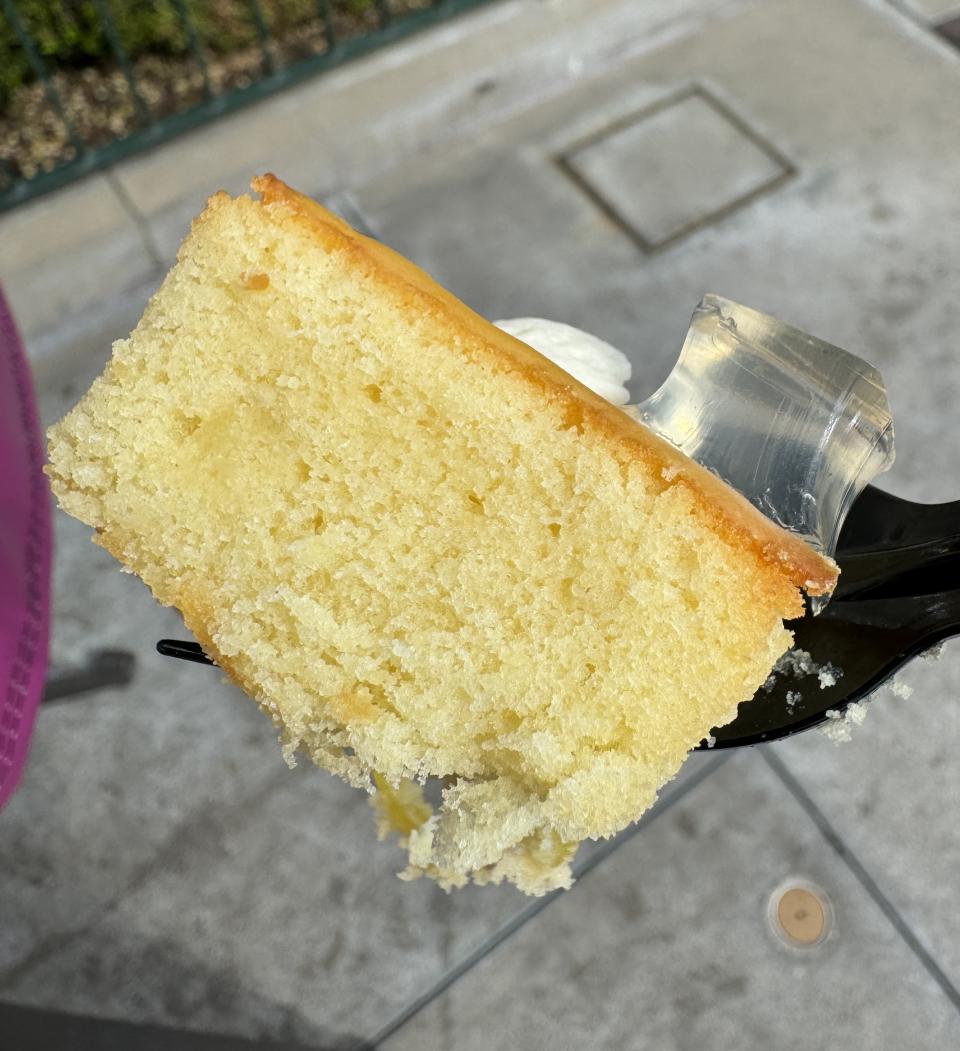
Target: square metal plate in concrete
675, 167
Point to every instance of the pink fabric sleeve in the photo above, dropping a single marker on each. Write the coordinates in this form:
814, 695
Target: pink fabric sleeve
25, 542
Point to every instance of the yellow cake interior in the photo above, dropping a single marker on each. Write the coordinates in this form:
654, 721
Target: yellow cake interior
424, 553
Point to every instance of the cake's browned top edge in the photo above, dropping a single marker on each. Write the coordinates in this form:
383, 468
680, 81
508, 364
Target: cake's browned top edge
730, 514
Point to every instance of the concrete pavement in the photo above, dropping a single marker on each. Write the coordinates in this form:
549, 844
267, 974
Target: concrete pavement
602, 164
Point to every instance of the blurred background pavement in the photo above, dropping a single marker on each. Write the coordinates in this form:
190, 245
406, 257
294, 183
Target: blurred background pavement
602, 163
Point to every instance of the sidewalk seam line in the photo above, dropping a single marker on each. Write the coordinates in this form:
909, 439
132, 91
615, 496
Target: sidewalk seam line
860, 873
512, 926
139, 219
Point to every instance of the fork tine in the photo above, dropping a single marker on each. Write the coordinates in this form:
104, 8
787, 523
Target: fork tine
185, 651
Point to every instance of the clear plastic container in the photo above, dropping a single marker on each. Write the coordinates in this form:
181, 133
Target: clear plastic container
796, 425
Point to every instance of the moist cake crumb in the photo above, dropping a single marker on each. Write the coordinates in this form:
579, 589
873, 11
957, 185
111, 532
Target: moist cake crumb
426, 551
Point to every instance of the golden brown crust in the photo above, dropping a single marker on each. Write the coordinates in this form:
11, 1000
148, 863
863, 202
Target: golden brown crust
197, 614
730, 514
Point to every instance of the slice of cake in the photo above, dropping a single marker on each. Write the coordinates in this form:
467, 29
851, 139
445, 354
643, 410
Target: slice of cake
425, 550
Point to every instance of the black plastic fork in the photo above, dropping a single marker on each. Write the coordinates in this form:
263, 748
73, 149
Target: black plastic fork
898, 596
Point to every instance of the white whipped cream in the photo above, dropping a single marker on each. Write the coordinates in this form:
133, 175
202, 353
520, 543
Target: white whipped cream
597, 365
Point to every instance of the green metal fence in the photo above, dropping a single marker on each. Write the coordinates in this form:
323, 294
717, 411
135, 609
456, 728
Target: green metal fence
84, 83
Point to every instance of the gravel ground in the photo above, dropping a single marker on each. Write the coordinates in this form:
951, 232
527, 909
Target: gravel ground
101, 108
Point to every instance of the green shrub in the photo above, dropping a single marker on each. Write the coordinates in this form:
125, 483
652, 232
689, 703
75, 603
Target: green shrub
69, 34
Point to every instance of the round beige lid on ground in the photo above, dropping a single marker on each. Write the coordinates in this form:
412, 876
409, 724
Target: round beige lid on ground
799, 914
